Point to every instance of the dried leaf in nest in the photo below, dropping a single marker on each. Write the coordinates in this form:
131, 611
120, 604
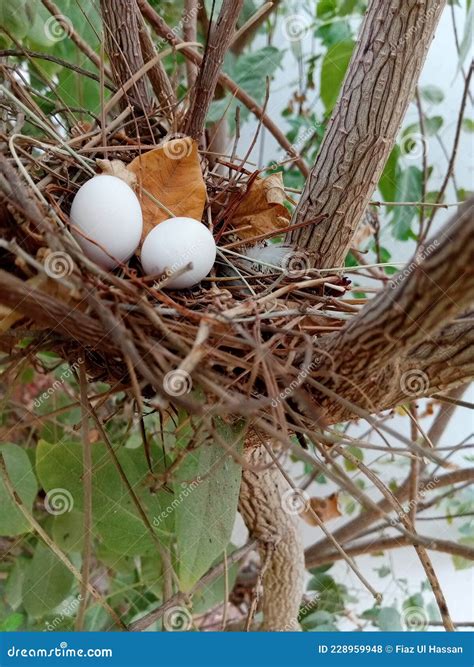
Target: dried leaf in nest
169, 182
262, 208
325, 508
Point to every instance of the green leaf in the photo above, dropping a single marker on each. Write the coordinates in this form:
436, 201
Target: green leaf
468, 125
212, 594
249, 71
14, 585
115, 517
320, 617
356, 453
47, 582
333, 71
68, 531
409, 188
12, 521
432, 94
206, 495
15, 17
12, 622
389, 620
334, 32
459, 562
388, 180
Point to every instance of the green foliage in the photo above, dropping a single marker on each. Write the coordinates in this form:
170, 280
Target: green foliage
47, 582
249, 71
333, 71
409, 190
20, 472
116, 519
205, 516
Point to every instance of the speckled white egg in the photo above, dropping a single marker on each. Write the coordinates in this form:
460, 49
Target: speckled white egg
174, 243
107, 211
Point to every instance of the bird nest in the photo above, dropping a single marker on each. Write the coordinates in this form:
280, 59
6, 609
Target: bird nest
238, 344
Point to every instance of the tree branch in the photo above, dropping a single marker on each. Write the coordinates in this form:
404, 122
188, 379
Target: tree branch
121, 20
386, 543
167, 33
157, 74
376, 92
360, 523
394, 348
220, 36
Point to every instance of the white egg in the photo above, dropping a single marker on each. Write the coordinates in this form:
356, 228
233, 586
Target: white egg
174, 243
107, 211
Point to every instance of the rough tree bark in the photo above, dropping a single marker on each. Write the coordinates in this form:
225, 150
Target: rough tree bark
278, 533
376, 92
220, 36
395, 332
157, 75
121, 27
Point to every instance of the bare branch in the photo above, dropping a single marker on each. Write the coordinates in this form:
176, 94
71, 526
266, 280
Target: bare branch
379, 86
219, 39
122, 40
167, 33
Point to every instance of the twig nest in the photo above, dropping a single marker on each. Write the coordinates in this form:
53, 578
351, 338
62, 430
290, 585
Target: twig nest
174, 244
106, 220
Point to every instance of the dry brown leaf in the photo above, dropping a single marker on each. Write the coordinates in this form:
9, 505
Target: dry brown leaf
169, 182
325, 508
262, 209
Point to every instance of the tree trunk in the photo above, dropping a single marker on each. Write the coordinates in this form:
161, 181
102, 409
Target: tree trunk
377, 90
263, 508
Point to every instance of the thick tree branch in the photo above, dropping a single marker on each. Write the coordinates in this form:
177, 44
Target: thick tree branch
379, 85
157, 74
121, 27
394, 348
220, 36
